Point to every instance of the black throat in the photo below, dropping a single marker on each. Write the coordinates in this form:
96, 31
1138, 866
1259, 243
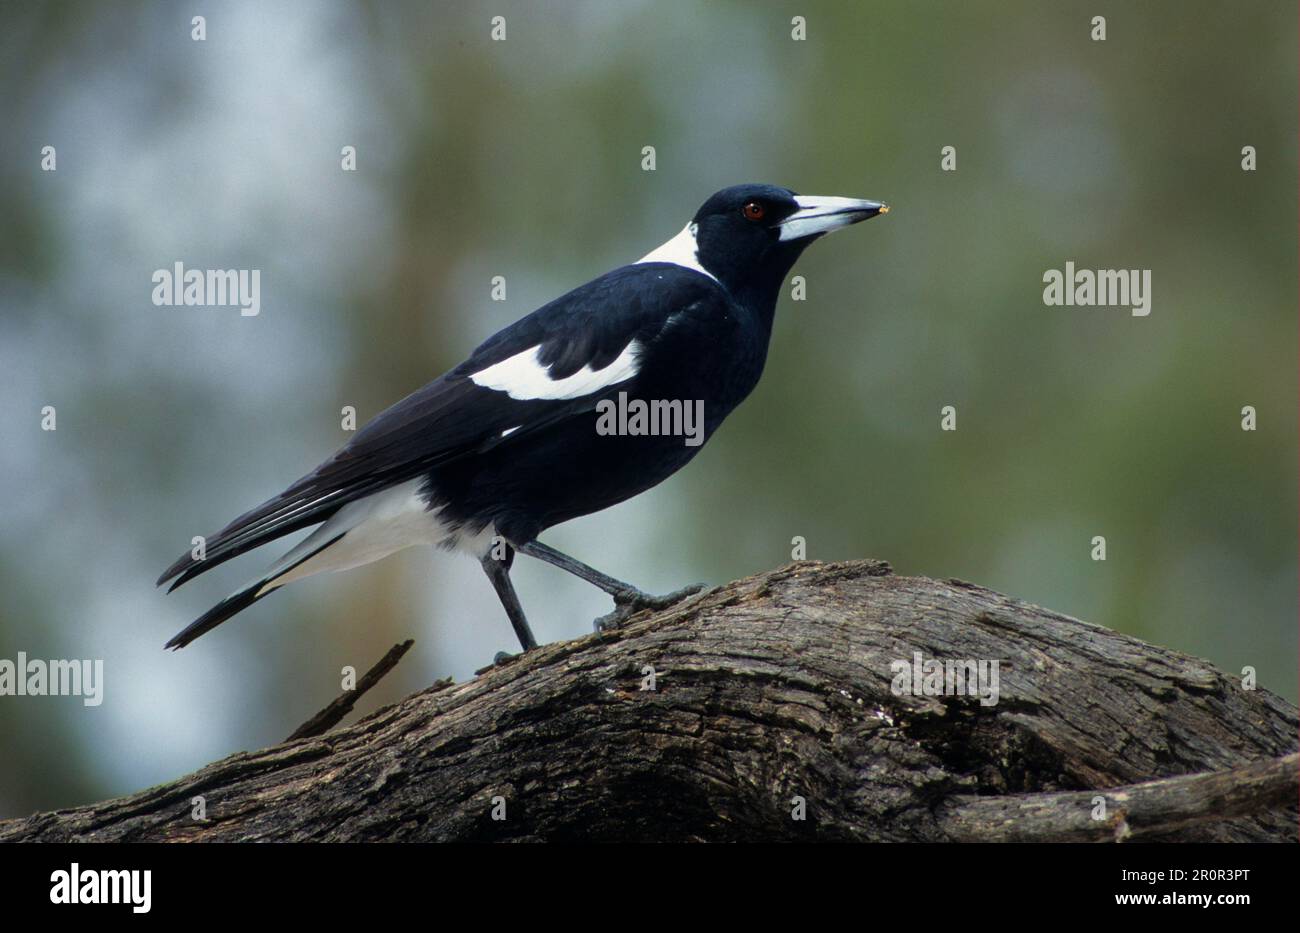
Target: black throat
757, 288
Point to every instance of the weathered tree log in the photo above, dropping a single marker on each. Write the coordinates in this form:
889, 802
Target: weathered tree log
769, 691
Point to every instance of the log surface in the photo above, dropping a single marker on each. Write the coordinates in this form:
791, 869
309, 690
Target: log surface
769, 691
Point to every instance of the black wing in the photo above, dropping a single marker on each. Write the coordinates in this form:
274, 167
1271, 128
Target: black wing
452, 417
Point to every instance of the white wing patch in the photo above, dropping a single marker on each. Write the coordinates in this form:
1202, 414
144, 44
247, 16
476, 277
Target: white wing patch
681, 250
523, 377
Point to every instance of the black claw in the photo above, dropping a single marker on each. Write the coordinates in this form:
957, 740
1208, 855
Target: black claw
500, 659
629, 602
609, 621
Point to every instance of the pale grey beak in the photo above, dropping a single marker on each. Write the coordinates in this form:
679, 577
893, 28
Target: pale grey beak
817, 215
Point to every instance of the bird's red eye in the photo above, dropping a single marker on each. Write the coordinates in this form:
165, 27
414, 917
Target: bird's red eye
753, 211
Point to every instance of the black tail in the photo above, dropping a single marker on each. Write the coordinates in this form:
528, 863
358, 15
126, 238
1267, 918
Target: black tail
233, 605
219, 613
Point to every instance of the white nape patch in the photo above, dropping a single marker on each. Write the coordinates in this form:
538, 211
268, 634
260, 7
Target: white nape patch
822, 215
523, 376
682, 250
373, 527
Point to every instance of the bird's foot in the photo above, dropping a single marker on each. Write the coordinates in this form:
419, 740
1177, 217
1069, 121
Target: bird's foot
629, 602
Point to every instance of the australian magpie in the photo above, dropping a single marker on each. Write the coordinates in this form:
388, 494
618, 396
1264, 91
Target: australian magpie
491, 454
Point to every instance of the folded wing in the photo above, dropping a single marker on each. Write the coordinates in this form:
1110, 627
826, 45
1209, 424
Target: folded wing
552, 365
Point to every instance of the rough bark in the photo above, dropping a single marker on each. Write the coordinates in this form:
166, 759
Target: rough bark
769, 689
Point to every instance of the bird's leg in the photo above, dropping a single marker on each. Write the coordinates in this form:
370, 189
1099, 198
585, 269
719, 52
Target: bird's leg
498, 572
627, 598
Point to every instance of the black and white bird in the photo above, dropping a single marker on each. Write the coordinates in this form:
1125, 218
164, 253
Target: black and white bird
491, 454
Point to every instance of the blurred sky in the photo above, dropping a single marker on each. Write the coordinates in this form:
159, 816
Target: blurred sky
523, 159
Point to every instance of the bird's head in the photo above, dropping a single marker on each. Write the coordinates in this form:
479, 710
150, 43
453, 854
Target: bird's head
749, 236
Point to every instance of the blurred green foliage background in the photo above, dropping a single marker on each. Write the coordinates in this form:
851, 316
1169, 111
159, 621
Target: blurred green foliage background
523, 158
